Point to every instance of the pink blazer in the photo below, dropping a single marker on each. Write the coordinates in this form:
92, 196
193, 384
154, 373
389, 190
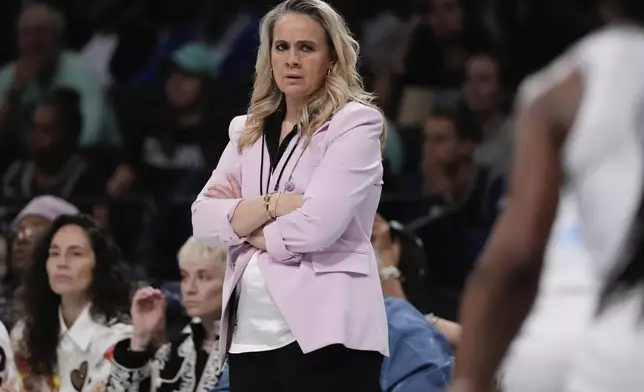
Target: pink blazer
320, 266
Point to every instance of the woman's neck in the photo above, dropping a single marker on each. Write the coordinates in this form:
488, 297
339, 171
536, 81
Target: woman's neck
293, 110
71, 307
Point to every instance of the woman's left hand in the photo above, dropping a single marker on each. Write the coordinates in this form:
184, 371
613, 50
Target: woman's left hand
233, 191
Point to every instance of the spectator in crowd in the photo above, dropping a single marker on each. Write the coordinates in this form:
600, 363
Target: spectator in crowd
402, 253
485, 98
41, 67
439, 47
76, 299
54, 165
394, 283
178, 135
27, 227
192, 361
382, 33
452, 215
450, 177
230, 31
421, 358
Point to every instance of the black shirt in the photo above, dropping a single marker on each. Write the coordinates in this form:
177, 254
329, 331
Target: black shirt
272, 132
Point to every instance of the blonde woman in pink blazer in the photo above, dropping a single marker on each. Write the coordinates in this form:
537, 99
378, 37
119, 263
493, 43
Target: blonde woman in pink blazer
294, 197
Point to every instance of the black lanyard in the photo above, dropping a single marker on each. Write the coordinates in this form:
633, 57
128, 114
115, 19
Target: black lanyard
279, 177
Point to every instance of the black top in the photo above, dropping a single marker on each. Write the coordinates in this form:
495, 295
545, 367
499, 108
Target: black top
272, 132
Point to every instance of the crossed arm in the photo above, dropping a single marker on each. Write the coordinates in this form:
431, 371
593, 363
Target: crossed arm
251, 215
348, 173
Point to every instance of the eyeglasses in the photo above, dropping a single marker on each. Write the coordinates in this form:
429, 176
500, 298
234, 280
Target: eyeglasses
28, 232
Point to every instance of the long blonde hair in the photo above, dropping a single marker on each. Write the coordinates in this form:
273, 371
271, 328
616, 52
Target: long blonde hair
343, 83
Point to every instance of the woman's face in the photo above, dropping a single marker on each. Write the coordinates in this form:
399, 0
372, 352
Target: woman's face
29, 229
71, 261
201, 284
300, 56
481, 90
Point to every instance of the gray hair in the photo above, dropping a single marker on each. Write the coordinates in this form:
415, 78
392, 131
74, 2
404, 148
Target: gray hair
195, 250
57, 19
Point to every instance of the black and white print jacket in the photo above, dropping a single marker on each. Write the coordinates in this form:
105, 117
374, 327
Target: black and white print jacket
178, 366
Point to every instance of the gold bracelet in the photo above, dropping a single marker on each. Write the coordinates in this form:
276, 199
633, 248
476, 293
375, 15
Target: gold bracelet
277, 200
266, 203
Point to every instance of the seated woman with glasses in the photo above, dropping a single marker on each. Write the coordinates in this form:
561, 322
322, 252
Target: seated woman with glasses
192, 361
76, 297
32, 221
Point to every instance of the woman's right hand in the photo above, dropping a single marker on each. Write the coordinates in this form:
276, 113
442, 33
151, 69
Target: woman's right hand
148, 315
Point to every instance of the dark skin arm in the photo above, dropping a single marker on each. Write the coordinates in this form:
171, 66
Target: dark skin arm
502, 289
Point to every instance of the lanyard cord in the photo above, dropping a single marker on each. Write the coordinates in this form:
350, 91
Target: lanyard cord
279, 177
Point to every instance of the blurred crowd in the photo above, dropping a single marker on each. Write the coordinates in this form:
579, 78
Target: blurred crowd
122, 109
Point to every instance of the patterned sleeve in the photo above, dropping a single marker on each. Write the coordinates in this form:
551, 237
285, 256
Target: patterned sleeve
134, 371
8, 371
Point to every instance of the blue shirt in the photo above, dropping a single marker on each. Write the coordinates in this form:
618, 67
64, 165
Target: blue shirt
420, 358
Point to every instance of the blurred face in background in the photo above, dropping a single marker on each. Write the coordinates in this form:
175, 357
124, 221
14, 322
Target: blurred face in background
29, 229
183, 89
45, 135
442, 145
446, 18
71, 261
300, 56
38, 32
482, 87
202, 280
46, 140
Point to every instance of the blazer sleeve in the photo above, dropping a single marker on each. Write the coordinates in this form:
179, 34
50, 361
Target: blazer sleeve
211, 217
350, 168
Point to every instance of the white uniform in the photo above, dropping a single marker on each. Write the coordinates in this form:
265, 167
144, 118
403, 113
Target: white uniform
604, 167
540, 356
604, 159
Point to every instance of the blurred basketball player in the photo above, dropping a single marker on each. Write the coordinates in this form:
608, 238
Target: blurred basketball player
582, 128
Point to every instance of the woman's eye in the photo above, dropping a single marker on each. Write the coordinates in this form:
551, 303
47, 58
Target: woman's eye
307, 48
280, 47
